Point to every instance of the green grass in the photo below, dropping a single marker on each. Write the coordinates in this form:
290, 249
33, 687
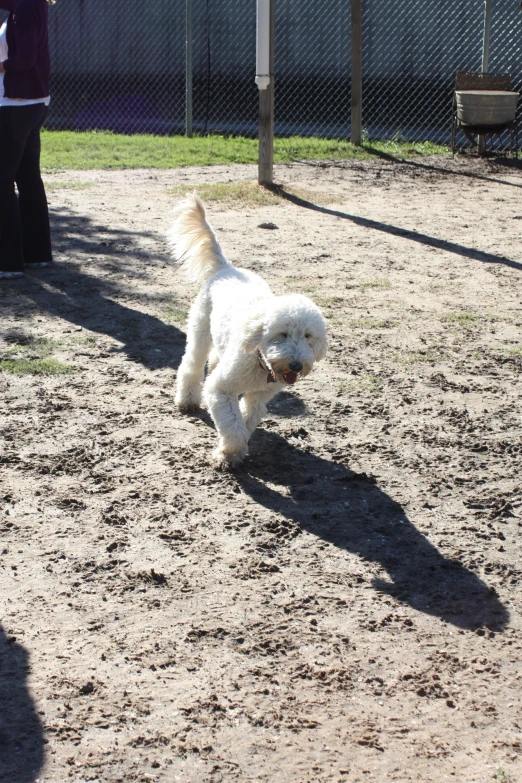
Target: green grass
359, 385
251, 194
328, 301
504, 777
364, 284
231, 193
173, 314
62, 150
32, 357
88, 341
69, 185
38, 348
405, 359
5, 290
460, 319
371, 382
495, 318
328, 305
362, 383
25, 366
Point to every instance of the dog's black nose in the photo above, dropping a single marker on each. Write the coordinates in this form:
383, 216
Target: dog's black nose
295, 366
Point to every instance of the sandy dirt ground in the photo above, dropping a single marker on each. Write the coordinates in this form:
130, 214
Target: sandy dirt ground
345, 606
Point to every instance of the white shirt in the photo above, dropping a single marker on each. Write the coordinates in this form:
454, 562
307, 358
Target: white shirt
13, 101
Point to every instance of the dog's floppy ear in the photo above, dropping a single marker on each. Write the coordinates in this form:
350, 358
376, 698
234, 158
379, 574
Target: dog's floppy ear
319, 347
252, 332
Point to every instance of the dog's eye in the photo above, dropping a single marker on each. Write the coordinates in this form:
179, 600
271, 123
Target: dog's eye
308, 336
283, 335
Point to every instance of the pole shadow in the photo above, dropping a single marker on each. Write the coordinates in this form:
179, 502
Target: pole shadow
414, 236
351, 512
21, 733
84, 297
509, 163
493, 160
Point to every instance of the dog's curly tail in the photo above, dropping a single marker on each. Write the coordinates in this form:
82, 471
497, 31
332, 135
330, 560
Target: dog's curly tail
193, 242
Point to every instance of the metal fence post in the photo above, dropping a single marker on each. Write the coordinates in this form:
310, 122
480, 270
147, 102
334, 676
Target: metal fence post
183, 90
265, 82
485, 60
487, 30
356, 128
188, 73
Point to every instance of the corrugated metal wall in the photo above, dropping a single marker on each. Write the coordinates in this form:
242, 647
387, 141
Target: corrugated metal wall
97, 37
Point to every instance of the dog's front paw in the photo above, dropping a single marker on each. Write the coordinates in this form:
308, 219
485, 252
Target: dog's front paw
223, 460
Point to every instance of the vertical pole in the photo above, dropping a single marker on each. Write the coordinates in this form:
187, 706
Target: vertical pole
188, 72
485, 59
487, 30
356, 135
265, 82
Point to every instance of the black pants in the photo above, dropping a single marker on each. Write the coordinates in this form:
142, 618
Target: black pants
25, 235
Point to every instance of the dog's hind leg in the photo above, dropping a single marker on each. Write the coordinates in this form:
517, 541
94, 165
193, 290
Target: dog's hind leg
253, 407
192, 368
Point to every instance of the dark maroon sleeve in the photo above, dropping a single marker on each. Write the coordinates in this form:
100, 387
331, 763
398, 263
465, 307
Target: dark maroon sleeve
7, 5
25, 22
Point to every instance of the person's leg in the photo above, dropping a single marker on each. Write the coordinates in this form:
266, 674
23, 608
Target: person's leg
34, 212
12, 142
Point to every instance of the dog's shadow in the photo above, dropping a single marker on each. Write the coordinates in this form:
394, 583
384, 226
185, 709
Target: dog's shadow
286, 405
21, 733
350, 511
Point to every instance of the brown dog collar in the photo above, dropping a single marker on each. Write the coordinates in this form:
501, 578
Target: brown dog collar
270, 378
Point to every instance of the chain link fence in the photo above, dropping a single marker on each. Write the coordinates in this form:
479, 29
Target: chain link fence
122, 65
410, 54
505, 53
411, 51
224, 93
312, 68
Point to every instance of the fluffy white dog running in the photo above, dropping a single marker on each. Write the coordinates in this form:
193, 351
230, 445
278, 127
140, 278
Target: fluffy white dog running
255, 343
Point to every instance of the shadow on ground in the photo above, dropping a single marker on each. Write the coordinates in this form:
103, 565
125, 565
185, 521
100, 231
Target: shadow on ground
413, 236
21, 735
496, 162
286, 405
350, 511
88, 291
492, 162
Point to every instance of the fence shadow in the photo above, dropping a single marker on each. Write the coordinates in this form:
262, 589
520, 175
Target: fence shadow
414, 236
508, 163
21, 733
350, 511
79, 294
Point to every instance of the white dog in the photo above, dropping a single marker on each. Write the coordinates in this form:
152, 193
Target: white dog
255, 343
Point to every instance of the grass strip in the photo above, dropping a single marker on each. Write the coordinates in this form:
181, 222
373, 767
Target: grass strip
70, 150
34, 367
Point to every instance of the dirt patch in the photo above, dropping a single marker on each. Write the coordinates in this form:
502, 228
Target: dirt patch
345, 607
